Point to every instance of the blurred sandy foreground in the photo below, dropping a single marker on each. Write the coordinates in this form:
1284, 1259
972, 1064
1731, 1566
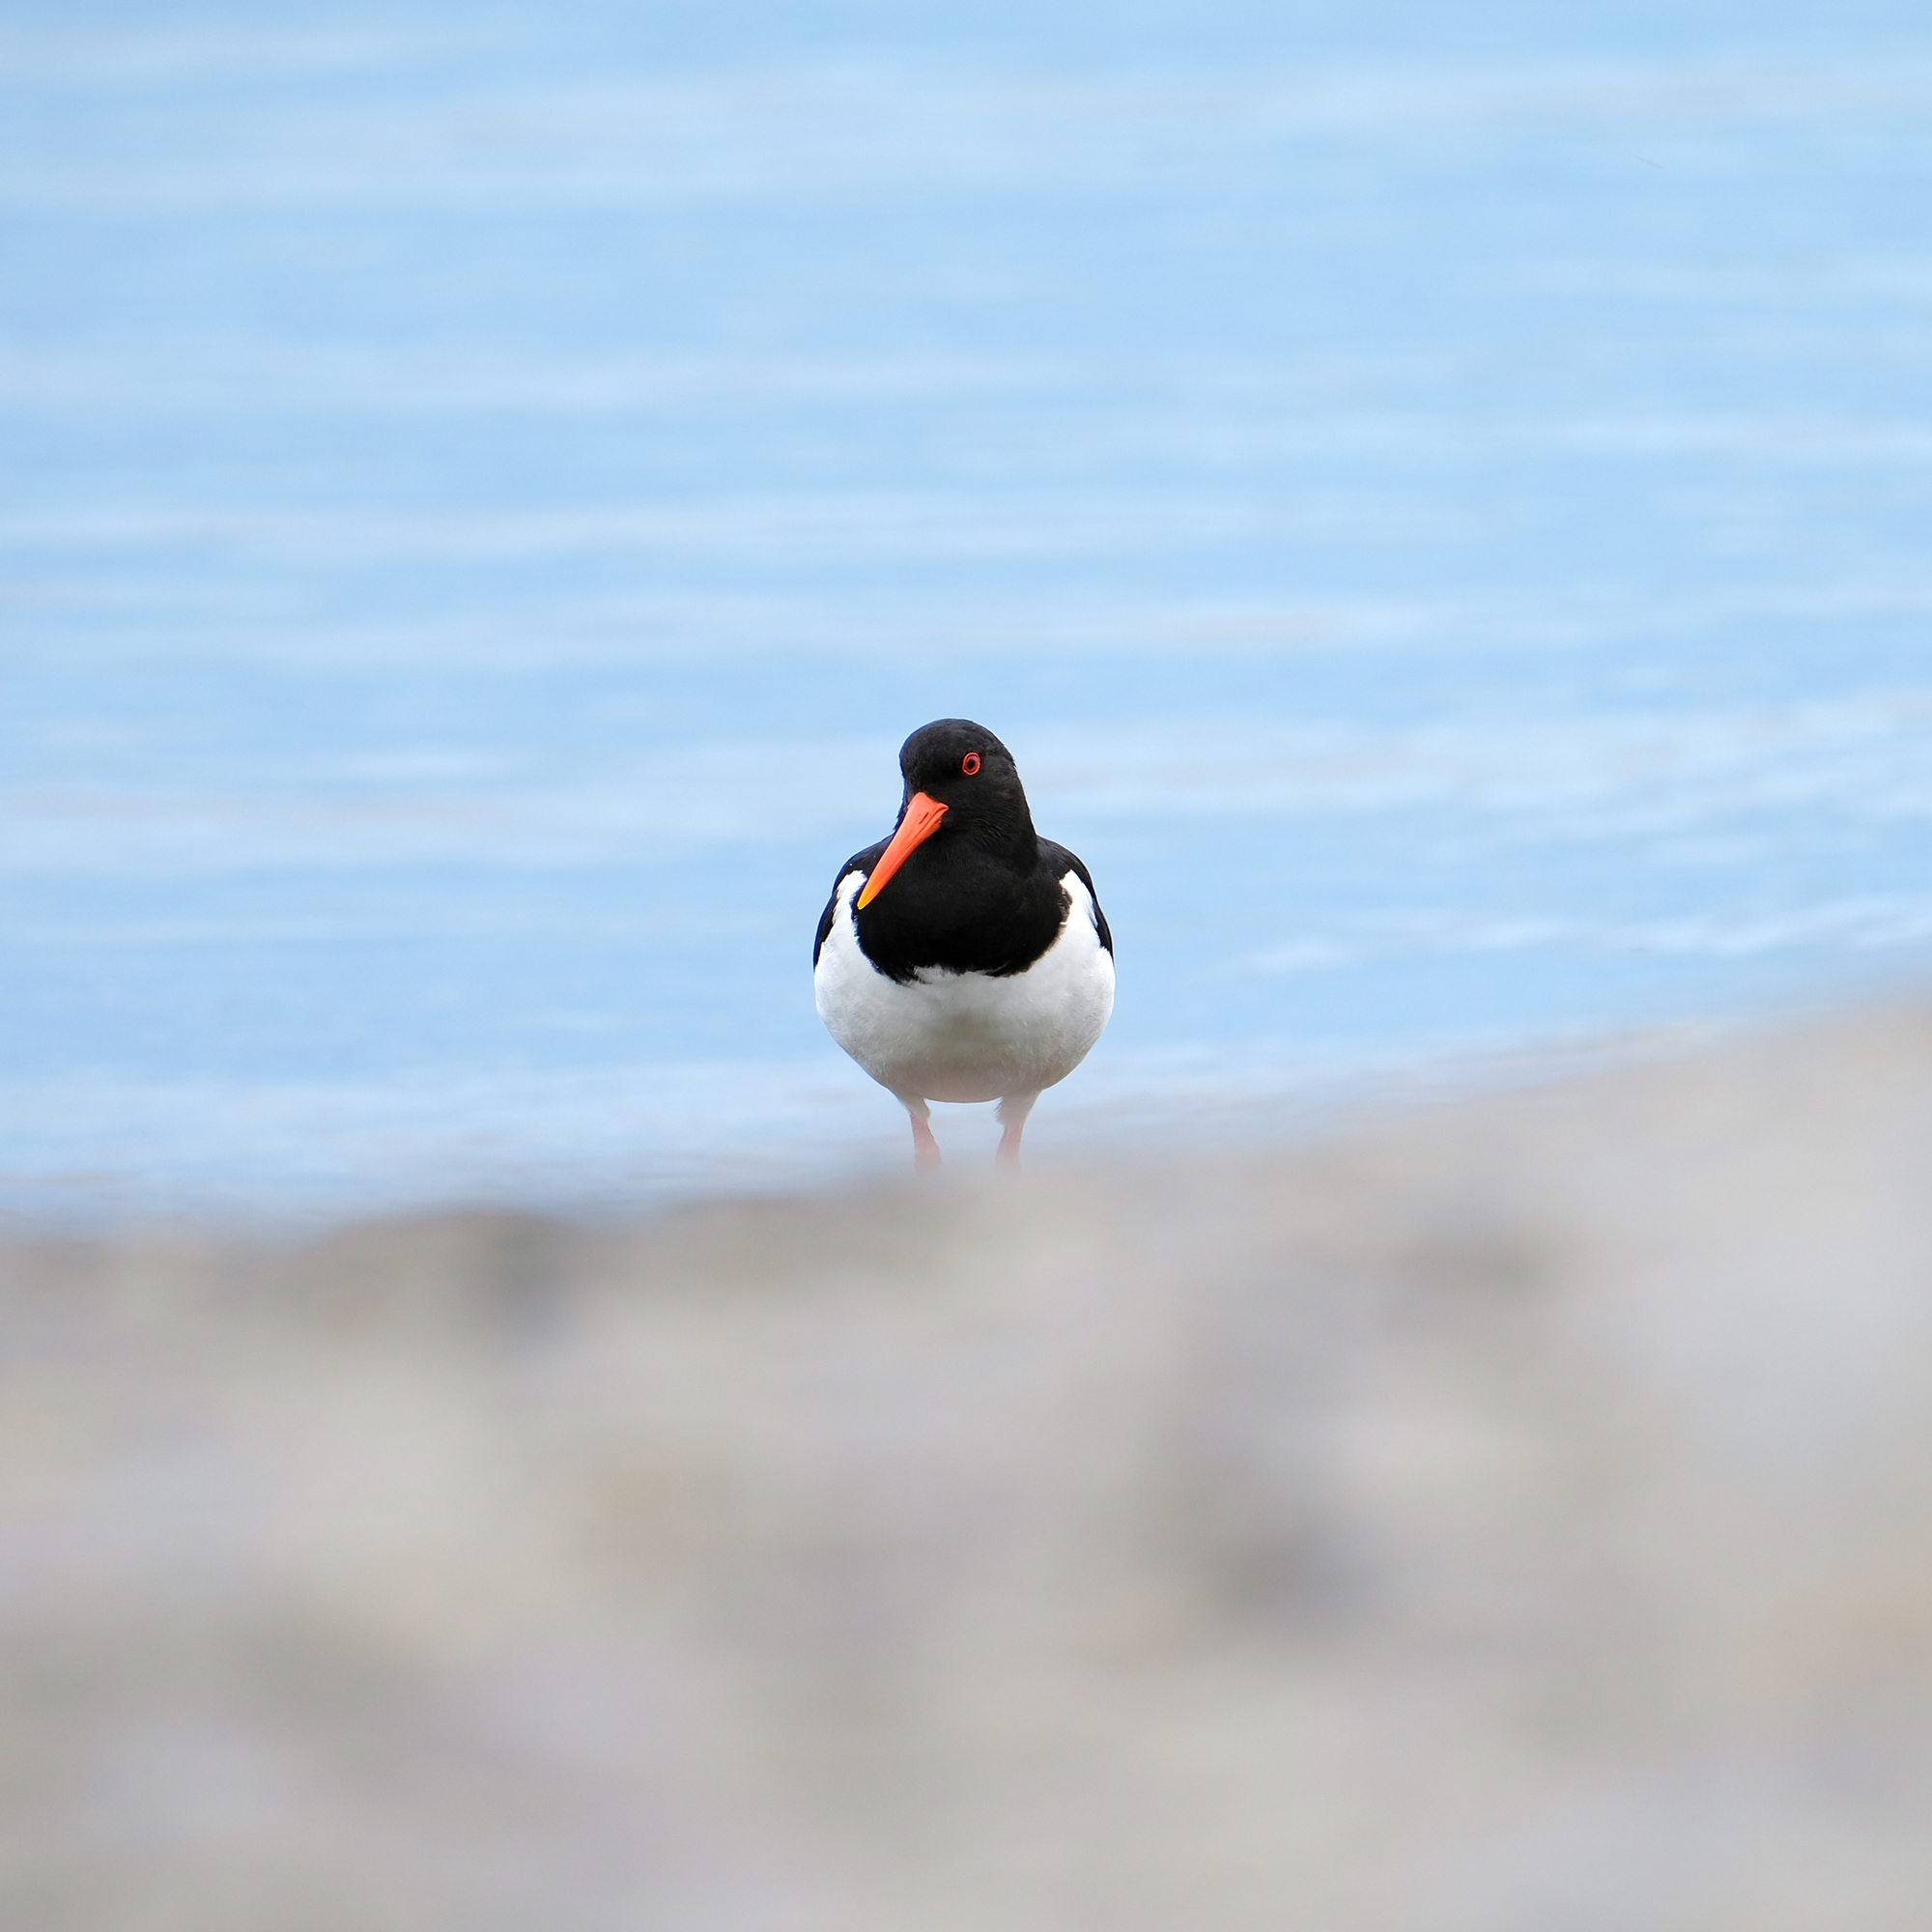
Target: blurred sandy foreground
1513, 1516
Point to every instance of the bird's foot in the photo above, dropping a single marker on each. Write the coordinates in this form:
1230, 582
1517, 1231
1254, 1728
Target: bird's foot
925, 1149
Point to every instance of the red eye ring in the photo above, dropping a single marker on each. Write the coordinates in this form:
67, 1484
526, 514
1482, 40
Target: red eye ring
970, 764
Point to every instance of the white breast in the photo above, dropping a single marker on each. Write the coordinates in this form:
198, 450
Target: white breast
948, 1036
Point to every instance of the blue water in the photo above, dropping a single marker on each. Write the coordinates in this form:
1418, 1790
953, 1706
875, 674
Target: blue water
1438, 508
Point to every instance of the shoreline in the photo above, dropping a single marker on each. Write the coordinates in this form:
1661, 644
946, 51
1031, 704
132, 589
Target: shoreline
1511, 1510
1193, 1117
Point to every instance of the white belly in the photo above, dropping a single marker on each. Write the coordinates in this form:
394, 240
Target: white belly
948, 1036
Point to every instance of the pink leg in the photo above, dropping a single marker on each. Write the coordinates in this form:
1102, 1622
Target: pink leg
925, 1149
1014, 1112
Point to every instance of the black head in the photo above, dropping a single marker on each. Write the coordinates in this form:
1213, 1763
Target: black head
962, 766
963, 807
958, 884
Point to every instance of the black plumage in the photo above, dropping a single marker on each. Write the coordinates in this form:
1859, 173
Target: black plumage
982, 893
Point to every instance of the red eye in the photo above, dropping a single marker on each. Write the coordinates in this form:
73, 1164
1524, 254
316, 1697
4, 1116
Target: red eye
970, 764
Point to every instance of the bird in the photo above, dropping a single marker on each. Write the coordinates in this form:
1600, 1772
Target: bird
964, 957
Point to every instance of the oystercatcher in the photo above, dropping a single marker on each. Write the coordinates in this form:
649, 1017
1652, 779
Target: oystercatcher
965, 958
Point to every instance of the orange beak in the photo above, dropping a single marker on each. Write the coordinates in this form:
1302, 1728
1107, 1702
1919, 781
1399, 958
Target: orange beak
921, 821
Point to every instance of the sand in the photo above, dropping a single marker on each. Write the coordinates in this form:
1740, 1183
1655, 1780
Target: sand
1516, 1513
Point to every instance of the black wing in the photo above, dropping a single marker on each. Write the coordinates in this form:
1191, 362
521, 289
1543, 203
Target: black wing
1062, 861
858, 862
